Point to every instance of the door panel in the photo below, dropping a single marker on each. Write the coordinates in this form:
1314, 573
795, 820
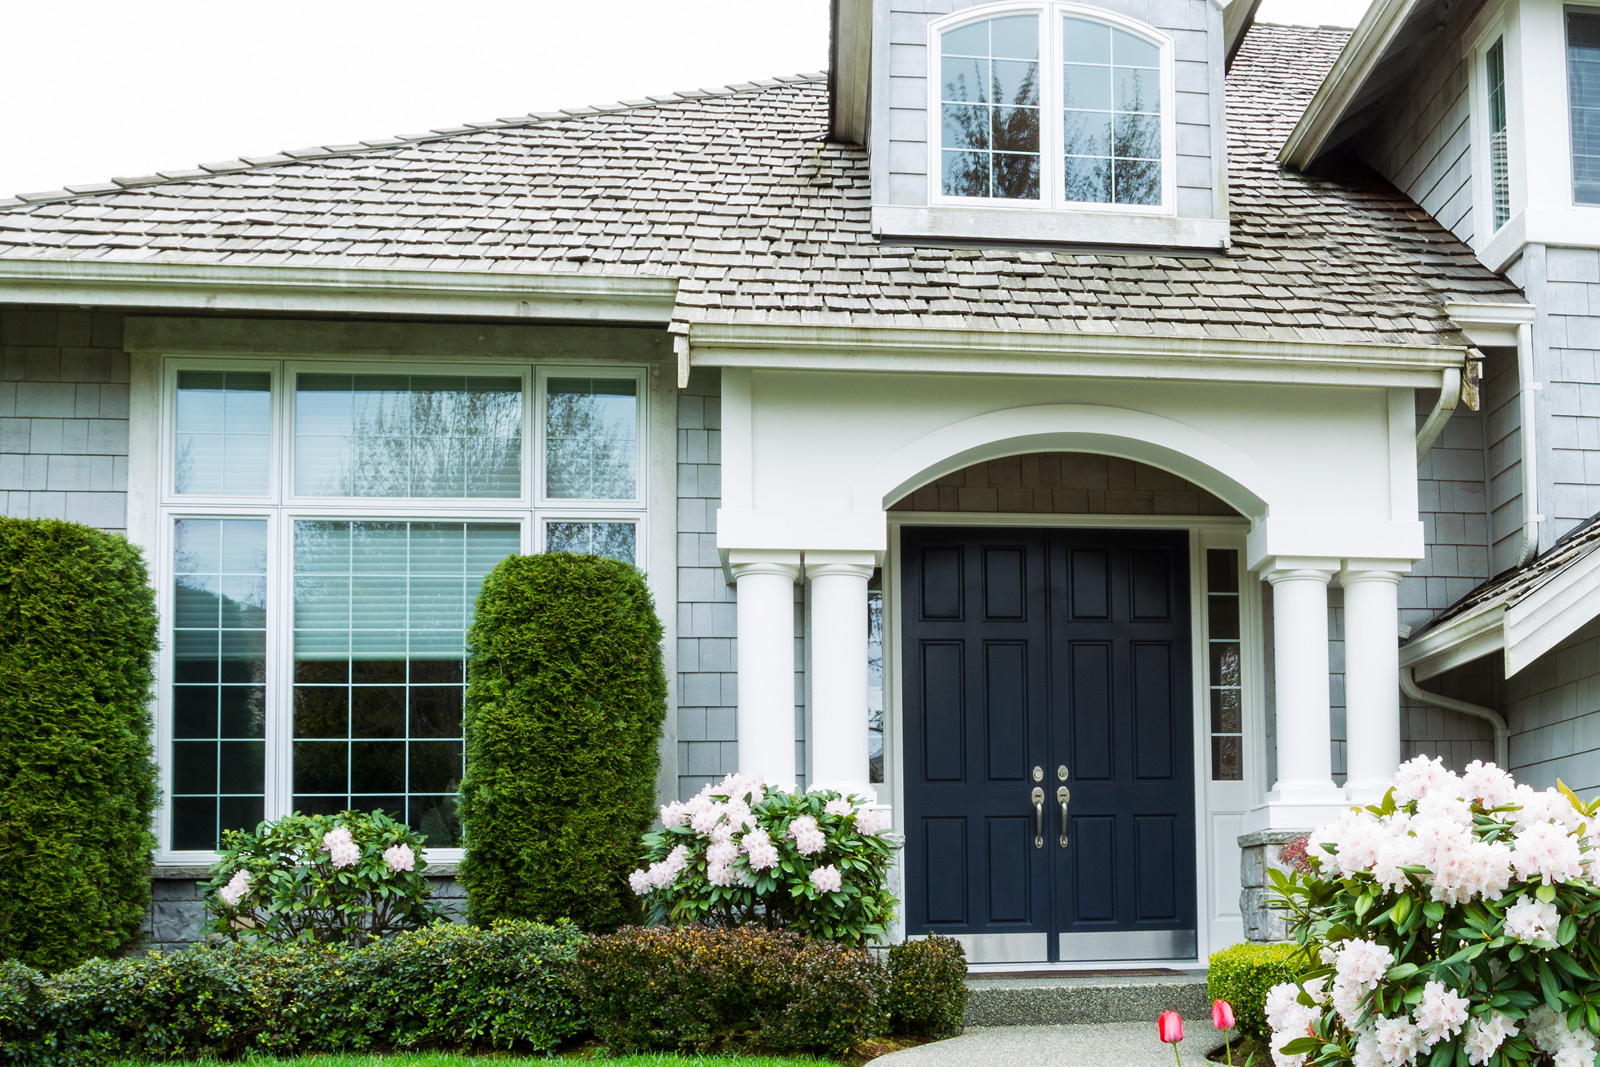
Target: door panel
1043, 649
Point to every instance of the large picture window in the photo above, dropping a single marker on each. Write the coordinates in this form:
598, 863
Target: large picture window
1583, 91
1052, 105
326, 530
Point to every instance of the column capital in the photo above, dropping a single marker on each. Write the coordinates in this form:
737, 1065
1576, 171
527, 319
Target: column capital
1373, 570
782, 564
1275, 569
848, 564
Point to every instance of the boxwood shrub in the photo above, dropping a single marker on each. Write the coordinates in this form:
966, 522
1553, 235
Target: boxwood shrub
1243, 973
710, 989
77, 782
927, 987
565, 699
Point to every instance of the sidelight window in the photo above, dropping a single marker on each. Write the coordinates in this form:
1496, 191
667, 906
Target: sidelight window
1054, 105
1223, 664
326, 530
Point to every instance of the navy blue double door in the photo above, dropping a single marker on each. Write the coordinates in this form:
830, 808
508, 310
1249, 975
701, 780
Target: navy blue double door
1049, 737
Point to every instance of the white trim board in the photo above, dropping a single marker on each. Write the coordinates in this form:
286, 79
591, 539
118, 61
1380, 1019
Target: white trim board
482, 294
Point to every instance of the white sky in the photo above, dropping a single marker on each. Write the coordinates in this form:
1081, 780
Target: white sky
103, 88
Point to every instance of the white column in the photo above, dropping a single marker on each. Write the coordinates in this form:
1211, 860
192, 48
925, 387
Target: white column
1304, 794
838, 737
765, 587
1371, 675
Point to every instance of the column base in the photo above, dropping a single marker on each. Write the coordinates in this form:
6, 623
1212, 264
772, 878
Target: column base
1298, 809
1368, 792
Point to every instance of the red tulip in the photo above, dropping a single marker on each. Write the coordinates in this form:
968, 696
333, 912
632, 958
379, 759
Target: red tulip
1171, 1026
1222, 1015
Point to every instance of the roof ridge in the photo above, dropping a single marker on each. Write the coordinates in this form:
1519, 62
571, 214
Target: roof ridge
301, 155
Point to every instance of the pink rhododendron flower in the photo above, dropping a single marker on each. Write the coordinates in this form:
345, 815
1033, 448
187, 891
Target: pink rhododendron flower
839, 806
1418, 777
1546, 850
808, 839
758, 845
674, 814
827, 879
639, 882
873, 820
1488, 785
1532, 920
1485, 1035
342, 849
1396, 1040
400, 858
236, 888
1442, 1013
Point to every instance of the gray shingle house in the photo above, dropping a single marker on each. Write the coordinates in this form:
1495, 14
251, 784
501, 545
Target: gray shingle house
1110, 434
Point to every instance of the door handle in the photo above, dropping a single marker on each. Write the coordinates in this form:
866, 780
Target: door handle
1063, 796
1038, 817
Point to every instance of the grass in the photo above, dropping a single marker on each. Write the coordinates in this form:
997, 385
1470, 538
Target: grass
450, 1059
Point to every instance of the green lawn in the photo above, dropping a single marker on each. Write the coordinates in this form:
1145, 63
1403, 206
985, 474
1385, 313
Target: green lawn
447, 1059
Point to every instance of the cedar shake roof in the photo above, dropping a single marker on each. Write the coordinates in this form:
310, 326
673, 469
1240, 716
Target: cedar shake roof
737, 196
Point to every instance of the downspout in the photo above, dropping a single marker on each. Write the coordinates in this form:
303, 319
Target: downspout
1502, 732
1527, 391
1449, 397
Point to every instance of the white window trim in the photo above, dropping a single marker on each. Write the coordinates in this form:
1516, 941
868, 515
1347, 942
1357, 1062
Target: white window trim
1491, 26
281, 509
1051, 166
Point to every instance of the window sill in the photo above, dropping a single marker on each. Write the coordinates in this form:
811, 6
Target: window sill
1043, 226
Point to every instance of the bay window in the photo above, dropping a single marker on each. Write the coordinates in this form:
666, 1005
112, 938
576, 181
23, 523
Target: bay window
324, 532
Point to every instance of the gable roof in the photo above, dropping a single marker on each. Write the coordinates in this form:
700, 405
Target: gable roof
1524, 612
737, 197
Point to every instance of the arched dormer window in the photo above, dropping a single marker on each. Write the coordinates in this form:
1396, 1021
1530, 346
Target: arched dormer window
1052, 105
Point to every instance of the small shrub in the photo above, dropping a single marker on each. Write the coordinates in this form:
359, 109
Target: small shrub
927, 987
346, 877
565, 699
24, 1029
707, 989
1243, 973
77, 779
738, 853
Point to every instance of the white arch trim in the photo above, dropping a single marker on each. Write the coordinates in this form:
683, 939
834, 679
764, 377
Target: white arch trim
1176, 447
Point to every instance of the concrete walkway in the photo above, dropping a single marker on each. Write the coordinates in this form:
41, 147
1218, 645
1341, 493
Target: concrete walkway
1077, 1045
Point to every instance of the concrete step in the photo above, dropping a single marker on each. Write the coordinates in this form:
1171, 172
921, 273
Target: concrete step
1098, 1045
1041, 999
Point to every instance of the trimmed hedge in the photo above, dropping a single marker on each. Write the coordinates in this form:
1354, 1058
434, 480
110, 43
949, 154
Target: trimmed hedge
709, 989
512, 986
927, 987
77, 779
1243, 973
566, 695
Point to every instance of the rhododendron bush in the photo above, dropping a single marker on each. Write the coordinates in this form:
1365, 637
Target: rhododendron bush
1457, 923
739, 853
339, 878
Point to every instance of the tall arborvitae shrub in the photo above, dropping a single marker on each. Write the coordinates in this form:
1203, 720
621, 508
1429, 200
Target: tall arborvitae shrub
77, 784
565, 698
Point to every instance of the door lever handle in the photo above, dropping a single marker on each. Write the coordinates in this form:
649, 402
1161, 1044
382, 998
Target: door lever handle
1063, 796
1038, 817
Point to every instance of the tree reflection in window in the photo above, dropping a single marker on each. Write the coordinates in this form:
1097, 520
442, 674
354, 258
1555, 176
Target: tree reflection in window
591, 438
397, 435
1111, 118
989, 76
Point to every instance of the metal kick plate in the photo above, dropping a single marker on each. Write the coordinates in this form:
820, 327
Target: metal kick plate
1005, 948
1128, 945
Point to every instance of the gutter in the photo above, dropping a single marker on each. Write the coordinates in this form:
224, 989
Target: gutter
1502, 732
227, 287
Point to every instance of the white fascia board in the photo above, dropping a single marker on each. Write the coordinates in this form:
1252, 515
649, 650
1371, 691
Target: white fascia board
1349, 73
1552, 613
477, 294
1488, 322
1108, 355
1459, 641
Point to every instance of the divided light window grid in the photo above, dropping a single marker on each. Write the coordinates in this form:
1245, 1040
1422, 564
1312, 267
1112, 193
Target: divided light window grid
1499, 170
991, 96
1583, 90
1224, 667
400, 492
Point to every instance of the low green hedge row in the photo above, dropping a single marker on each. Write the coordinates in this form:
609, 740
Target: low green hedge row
513, 986
1242, 975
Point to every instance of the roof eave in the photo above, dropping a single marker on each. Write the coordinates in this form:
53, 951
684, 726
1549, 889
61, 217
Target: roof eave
1366, 46
304, 290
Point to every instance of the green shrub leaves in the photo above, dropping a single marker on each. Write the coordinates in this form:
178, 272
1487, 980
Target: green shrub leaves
77, 784
565, 699
1243, 973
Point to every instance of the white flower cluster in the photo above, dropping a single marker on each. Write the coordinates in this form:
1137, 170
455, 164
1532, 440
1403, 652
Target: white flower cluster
1381, 1041
808, 837
400, 858
341, 847
1548, 834
1569, 1048
236, 888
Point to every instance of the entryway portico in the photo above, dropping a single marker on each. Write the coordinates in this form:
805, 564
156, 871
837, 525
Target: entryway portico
1322, 478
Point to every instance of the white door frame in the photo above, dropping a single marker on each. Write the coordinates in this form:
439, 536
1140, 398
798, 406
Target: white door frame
1219, 806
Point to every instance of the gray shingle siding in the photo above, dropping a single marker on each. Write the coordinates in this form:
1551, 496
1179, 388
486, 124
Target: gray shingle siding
1553, 707
63, 416
1566, 332
1422, 141
1194, 25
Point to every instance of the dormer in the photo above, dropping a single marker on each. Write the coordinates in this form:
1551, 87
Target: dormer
1090, 122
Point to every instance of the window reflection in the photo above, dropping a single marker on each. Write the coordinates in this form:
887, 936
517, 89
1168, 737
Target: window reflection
989, 79
591, 438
